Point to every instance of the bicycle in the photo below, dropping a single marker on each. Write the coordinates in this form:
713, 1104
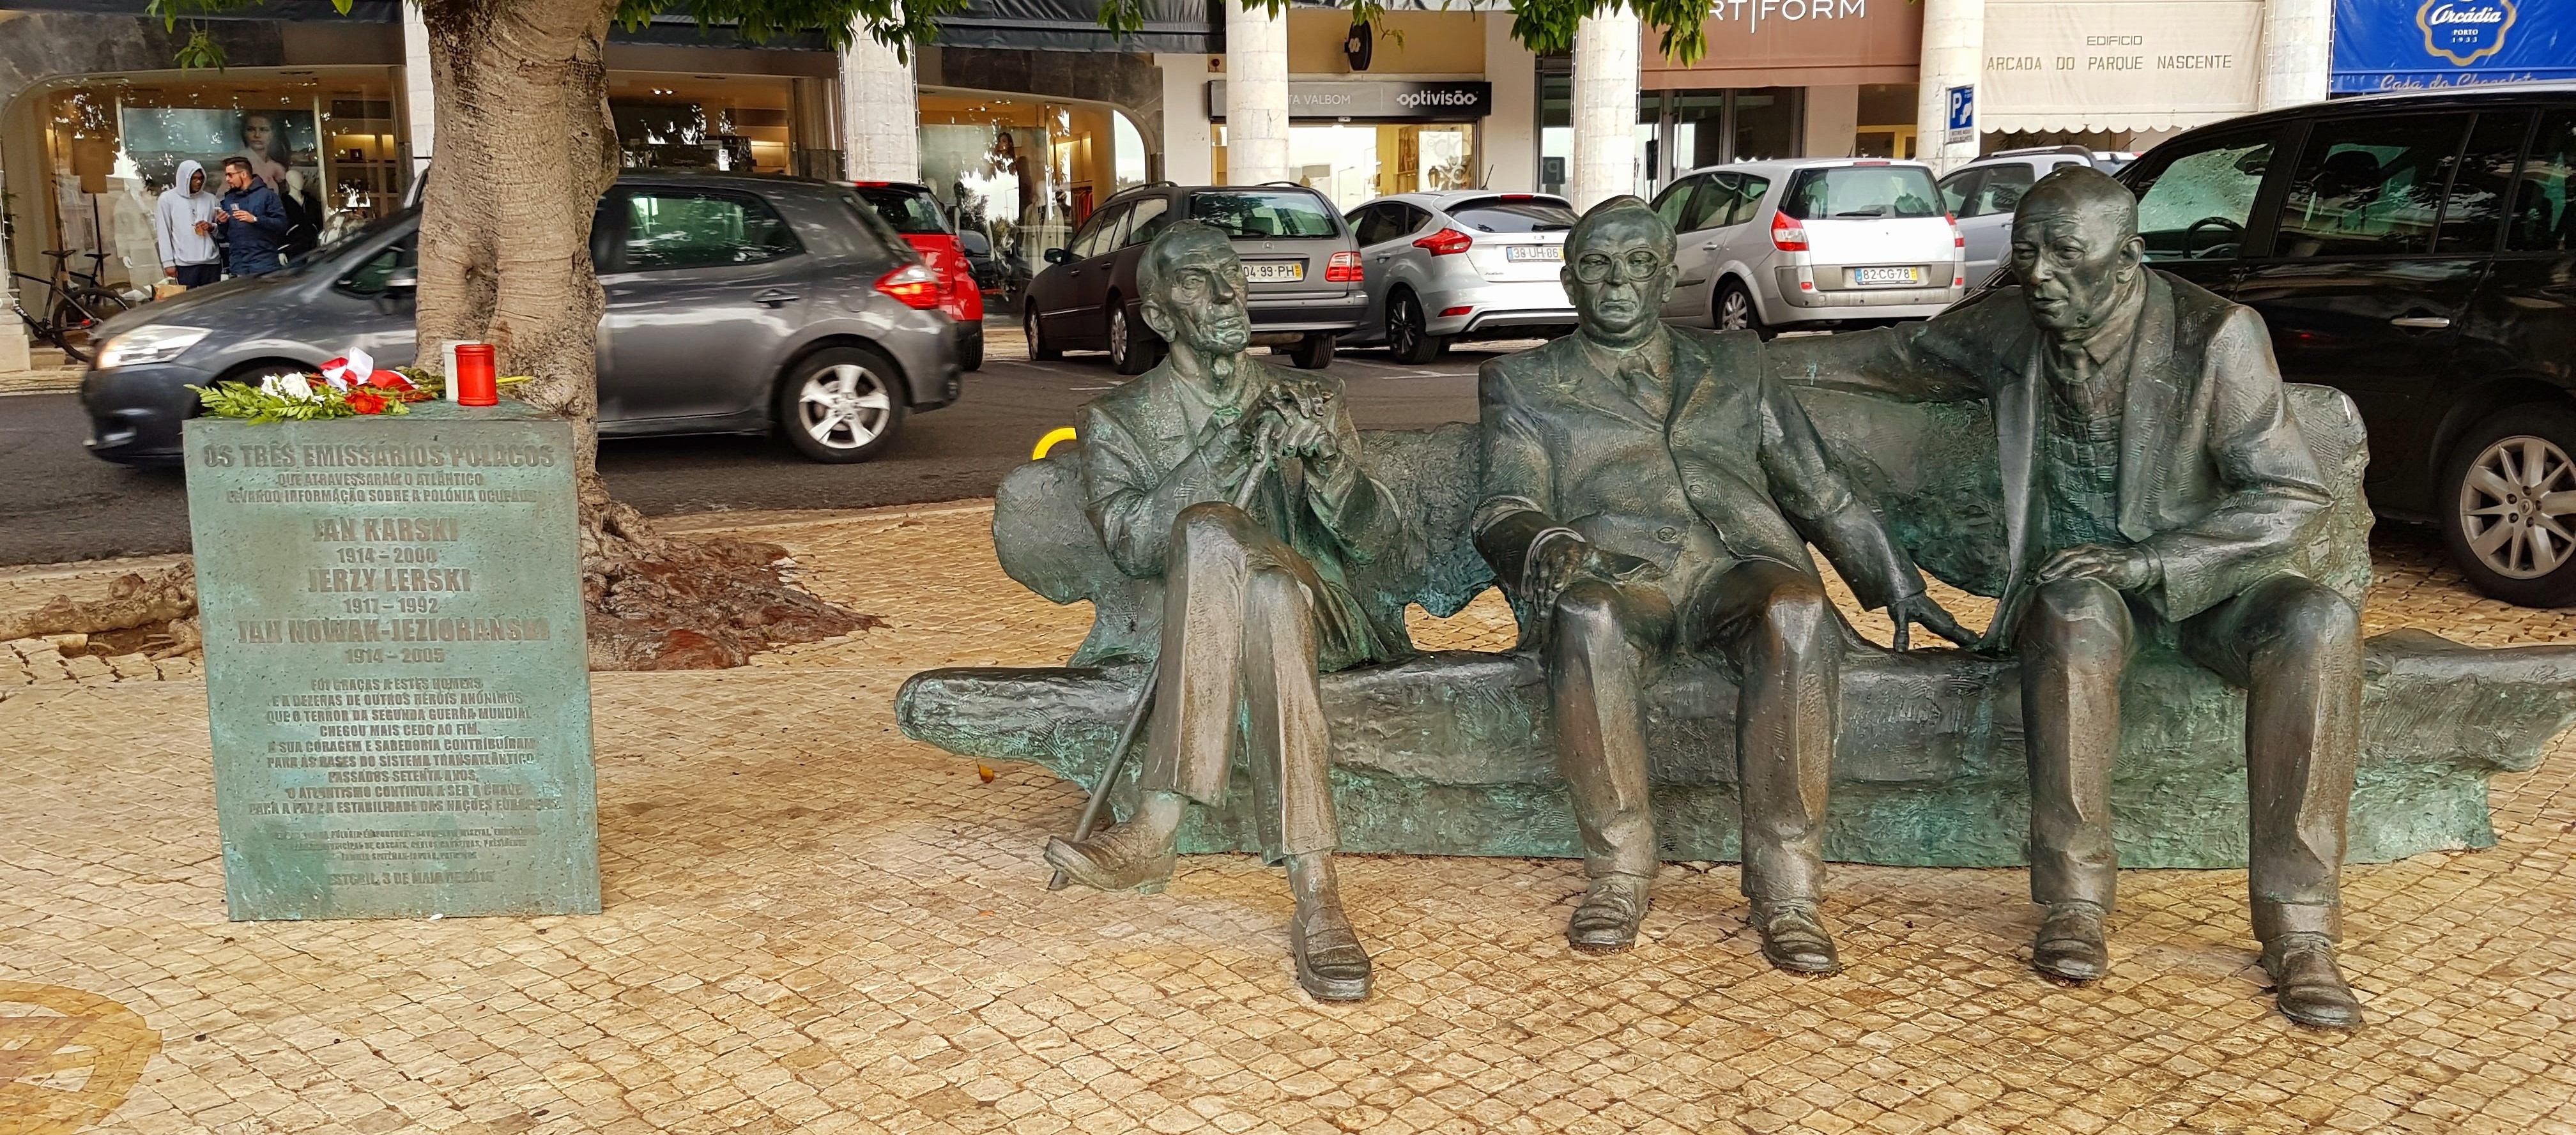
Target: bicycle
72, 308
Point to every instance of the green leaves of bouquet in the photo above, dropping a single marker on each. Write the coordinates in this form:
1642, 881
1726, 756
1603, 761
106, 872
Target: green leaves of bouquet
296, 398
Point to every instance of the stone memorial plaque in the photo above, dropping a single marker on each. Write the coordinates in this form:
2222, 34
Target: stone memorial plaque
397, 675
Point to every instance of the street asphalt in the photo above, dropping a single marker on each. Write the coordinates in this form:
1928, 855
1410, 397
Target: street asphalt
62, 504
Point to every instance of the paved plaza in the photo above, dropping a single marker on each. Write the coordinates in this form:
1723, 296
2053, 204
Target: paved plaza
815, 925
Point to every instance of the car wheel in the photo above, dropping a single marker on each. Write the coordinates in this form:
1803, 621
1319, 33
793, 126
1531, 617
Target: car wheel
1736, 310
970, 348
1408, 337
2509, 506
1314, 352
1040, 351
841, 404
1132, 350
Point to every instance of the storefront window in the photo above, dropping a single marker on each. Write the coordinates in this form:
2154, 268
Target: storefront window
721, 122
328, 140
1024, 173
1555, 126
1886, 121
1356, 163
1679, 131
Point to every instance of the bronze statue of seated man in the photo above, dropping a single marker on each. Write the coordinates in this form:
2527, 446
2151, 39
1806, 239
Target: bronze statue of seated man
1256, 599
1648, 493
2156, 489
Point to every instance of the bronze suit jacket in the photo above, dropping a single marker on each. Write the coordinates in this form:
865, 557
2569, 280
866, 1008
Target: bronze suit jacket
1139, 472
1713, 482
2215, 480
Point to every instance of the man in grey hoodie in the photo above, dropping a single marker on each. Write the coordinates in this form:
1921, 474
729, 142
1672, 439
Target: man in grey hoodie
184, 223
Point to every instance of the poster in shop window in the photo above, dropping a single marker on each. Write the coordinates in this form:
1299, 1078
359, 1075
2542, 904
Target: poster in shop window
2119, 64
283, 147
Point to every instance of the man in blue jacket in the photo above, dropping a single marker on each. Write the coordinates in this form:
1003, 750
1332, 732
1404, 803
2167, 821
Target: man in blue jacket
253, 221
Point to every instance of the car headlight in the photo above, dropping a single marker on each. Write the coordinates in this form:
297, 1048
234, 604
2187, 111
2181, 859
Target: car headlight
149, 345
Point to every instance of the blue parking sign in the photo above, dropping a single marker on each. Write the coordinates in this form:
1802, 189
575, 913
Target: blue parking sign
1963, 108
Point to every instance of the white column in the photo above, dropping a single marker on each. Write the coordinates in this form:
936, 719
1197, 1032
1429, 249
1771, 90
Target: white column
1606, 49
2298, 50
1510, 135
1833, 120
1256, 95
14, 345
880, 118
1187, 133
1954, 45
420, 102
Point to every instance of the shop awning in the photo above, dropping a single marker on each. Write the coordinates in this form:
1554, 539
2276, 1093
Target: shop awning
2082, 65
1188, 26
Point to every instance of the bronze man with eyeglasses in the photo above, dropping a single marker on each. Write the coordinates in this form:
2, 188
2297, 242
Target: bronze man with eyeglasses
1649, 493
2157, 490
1256, 599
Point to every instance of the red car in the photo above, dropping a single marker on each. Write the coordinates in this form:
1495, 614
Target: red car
916, 214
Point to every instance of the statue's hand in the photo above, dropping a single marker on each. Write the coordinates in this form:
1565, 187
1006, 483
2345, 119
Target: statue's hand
1554, 566
1566, 559
1921, 609
1617, 567
2125, 569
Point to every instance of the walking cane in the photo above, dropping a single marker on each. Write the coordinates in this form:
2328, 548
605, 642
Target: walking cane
1082, 828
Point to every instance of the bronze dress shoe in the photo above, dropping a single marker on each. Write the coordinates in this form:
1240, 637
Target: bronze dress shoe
2071, 943
1330, 963
1126, 858
1613, 907
1794, 938
2306, 984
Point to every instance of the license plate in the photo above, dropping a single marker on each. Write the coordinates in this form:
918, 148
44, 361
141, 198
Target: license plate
1274, 271
1865, 277
1533, 252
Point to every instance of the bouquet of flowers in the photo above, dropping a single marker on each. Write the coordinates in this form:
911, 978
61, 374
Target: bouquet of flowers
347, 387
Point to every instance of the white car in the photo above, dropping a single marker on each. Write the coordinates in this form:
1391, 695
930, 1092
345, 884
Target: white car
1983, 193
1816, 244
1461, 264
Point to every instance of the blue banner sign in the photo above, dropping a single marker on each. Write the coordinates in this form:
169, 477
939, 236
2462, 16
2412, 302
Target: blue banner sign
2390, 45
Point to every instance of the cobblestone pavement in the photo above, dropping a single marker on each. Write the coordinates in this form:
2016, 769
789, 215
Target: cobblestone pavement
813, 925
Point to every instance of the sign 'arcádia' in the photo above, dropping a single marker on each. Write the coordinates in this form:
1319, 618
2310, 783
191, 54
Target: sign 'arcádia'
396, 668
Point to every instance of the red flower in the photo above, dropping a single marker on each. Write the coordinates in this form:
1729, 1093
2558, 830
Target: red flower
366, 403
388, 380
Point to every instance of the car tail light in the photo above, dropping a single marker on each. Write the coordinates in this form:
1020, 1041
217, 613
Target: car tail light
1788, 235
914, 284
1957, 239
1446, 242
1446, 312
1343, 268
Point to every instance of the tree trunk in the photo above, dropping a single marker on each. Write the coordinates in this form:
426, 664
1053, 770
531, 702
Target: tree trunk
525, 148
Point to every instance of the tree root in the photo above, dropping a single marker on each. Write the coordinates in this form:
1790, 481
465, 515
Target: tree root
663, 603
653, 602
132, 601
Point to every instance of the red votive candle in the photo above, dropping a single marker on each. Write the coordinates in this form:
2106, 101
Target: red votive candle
477, 383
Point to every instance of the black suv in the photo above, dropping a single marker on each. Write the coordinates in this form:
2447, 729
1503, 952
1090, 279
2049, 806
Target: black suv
1299, 259
2418, 252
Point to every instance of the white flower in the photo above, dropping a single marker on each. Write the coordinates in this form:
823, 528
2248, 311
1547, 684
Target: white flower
287, 386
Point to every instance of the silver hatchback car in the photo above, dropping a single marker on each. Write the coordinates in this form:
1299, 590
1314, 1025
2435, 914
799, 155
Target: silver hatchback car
1461, 264
1815, 244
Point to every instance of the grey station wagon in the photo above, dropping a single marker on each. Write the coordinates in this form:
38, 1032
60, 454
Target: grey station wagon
735, 305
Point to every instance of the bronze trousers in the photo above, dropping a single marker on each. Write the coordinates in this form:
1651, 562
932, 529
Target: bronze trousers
1609, 640
1239, 631
2292, 645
